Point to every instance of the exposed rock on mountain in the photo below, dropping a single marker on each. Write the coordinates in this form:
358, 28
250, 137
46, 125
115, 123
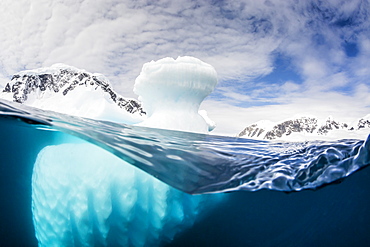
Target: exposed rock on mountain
304, 125
62, 79
363, 123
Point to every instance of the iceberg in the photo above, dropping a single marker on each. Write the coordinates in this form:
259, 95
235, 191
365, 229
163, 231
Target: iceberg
83, 195
171, 91
86, 196
331, 177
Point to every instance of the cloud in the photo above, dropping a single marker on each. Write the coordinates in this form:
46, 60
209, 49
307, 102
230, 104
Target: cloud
117, 37
238, 37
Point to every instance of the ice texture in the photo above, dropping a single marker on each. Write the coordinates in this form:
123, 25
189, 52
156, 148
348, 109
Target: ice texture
85, 196
211, 124
171, 91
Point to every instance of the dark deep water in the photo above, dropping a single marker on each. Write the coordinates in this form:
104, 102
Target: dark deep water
336, 214
19, 146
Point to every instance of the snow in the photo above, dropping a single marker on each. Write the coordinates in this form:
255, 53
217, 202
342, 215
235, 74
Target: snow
265, 124
87, 101
349, 132
171, 91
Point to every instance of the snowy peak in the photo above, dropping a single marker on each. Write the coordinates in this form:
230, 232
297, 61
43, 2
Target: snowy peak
257, 130
362, 123
61, 80
329, 125
302, 125
306, 126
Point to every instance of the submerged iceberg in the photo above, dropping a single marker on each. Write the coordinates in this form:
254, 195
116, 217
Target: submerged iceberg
83, 195
86, 196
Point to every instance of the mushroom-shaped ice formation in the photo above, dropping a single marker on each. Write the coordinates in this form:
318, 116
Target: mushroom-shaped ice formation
171, 91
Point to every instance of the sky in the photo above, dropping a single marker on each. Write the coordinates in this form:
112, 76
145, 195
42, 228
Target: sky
275, 59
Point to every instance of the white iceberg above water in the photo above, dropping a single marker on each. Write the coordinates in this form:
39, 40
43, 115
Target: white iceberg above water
171, 91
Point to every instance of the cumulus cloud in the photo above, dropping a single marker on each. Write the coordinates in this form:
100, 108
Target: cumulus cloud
117, 37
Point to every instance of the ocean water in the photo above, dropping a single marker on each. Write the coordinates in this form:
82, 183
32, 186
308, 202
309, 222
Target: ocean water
272, 194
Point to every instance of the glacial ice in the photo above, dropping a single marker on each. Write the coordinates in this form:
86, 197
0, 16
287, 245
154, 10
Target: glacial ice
171, 91
83, 195
86, 196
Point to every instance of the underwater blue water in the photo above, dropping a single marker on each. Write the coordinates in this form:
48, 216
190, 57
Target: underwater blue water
282, 194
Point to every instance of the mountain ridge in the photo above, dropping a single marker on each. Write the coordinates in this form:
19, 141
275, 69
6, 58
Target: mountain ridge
306, 125
62, 79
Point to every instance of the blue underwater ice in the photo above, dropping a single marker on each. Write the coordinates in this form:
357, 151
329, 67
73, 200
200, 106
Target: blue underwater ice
283, 194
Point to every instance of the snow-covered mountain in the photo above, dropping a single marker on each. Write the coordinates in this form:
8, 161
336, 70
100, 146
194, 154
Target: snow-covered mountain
66, 89
305, 126
363, 123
